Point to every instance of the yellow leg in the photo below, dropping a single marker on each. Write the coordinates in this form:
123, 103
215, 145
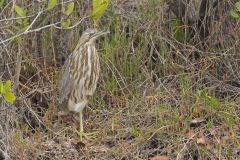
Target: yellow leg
81, 133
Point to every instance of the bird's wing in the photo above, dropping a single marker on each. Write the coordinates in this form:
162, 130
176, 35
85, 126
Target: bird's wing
65, 82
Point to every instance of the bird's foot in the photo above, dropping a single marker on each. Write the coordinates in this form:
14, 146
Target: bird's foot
87, 136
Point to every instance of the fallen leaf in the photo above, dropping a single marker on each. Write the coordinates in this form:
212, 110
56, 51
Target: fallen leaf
201, 109
190, 134
160, 158
202, 140
126, 145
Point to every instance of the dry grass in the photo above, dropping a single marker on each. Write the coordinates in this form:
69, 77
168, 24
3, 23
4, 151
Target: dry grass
157, 95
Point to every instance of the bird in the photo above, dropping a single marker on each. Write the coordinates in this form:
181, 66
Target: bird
79, 75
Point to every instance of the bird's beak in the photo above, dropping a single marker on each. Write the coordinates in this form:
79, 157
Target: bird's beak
102, 32
99, 33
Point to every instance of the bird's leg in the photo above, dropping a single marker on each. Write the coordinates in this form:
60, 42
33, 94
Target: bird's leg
88, 136
81, 133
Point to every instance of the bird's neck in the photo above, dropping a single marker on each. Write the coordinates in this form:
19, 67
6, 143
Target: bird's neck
85, 43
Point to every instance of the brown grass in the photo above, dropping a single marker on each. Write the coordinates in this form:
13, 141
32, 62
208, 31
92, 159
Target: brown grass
160, 92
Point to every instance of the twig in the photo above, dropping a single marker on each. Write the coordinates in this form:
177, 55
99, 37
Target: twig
39, 29
34, 21
18, 67
16, 18
30, 31
73, 25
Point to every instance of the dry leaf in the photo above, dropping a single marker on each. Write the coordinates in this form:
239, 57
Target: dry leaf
160, 158
190, 134
209, 146
202, 140
201, 109
126, 145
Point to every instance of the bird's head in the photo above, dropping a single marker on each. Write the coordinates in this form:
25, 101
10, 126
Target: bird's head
92, 34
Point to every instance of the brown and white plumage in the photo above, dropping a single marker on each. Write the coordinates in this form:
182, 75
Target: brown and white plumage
80, 72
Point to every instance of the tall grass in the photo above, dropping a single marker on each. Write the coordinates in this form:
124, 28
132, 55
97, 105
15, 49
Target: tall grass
160, 92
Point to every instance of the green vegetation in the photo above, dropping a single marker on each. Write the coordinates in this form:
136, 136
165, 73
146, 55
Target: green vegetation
5, 92
235, 12
168, 85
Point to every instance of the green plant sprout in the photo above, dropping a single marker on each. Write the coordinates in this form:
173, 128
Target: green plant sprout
211, 101
235, 12
5, 92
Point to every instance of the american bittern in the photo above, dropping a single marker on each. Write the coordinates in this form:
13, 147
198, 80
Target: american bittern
79, 75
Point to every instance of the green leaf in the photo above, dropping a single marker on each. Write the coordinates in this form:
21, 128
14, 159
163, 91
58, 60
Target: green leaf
9, 97
234, 13
25, 21
1, 86
6, 87
52, 4
98, 8
66, 23
16, 40
1, 3
69, 8
215, 103
9, 31
25, 27
20, 11
20, 21
177, 26
237, 5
